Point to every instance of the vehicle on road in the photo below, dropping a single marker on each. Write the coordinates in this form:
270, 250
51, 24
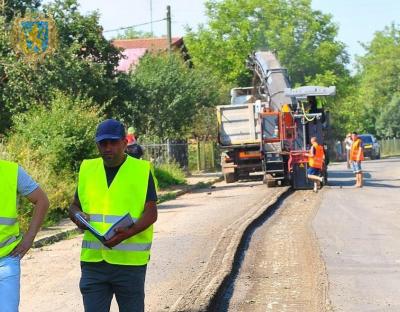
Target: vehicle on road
268, 126
371, 146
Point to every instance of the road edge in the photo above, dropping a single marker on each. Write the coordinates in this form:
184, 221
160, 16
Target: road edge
66, 233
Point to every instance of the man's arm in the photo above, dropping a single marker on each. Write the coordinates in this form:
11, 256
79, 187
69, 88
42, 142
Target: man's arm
74, 209
39, 199
148, 217
311, 152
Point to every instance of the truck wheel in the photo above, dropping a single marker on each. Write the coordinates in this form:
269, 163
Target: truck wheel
230, 177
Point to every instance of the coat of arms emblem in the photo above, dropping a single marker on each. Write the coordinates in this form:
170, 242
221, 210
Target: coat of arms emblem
34, 37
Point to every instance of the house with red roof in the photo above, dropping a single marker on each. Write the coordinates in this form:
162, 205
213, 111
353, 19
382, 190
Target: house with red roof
134, 49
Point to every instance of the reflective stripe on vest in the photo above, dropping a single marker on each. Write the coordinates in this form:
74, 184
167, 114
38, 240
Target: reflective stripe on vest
121, 246
8, 241
9, 227
105, 205
8, 221
106, 218
317, 160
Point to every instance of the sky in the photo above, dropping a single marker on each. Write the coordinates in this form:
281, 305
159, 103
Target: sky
358, 20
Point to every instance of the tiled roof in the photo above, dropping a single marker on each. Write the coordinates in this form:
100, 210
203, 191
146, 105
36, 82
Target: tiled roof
148, 43
130, 59
134, 49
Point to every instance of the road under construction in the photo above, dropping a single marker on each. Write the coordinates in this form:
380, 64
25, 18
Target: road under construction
246, 247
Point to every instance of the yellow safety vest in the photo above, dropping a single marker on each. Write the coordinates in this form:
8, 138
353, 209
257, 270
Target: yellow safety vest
9, 227
105, 205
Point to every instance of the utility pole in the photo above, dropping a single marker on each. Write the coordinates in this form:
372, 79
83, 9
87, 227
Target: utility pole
169, 38
3, 8
151, 17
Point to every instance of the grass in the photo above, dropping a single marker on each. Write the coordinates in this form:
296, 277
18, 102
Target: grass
165, 197
169, 174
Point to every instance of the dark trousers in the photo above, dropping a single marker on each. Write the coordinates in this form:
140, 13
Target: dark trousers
101, 280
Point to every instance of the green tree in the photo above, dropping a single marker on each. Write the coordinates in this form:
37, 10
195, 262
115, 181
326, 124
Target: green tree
14, 8
304, 39
166, 96
388, 125
379, 75
84, 64
132, 33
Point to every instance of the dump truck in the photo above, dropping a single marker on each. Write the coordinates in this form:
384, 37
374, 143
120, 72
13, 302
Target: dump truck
239, 135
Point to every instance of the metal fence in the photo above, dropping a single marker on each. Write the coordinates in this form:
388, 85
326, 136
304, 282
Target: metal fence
204, 156
171, 151
191, 156
390, 147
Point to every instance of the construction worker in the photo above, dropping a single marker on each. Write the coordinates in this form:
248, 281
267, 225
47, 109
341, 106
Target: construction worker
108, 188
14, 245
131, 137
316, 158
356, 156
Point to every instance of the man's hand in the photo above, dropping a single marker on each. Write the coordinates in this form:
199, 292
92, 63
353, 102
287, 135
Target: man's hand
148, 217
22, 248
121, 234
74, 210
41, 202
78, 223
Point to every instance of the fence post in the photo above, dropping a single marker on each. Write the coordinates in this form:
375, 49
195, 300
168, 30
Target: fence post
198, 154
168, 151
212, 156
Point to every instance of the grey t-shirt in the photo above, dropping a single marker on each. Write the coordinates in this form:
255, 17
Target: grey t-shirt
25, 184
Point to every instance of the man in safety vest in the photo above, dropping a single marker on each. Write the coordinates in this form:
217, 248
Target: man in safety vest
356, 156
108, 188
14, 245
316, 157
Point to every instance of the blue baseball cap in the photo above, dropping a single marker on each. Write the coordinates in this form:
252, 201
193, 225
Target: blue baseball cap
110, 129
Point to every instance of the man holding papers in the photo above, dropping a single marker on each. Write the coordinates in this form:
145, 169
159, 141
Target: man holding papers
112, 188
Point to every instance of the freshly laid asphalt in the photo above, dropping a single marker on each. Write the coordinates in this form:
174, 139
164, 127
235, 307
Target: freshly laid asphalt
358, 232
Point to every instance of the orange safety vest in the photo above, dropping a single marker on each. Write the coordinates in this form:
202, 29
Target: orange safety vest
355, 150
317, 160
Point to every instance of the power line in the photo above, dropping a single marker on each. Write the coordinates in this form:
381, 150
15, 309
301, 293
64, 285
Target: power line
133, 26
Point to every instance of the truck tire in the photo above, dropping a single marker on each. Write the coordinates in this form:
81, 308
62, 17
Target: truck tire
230, 177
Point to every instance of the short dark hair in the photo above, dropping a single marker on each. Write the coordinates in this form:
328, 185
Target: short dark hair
354, 133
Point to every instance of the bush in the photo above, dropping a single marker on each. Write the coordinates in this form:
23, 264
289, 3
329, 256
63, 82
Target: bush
169, 174
63, 134
49, 143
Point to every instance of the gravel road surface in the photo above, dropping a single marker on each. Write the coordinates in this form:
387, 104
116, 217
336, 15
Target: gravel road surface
185, 236
282, 269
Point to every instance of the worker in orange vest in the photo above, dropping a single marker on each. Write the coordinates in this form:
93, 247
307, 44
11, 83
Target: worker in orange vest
356, 156
316, 157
